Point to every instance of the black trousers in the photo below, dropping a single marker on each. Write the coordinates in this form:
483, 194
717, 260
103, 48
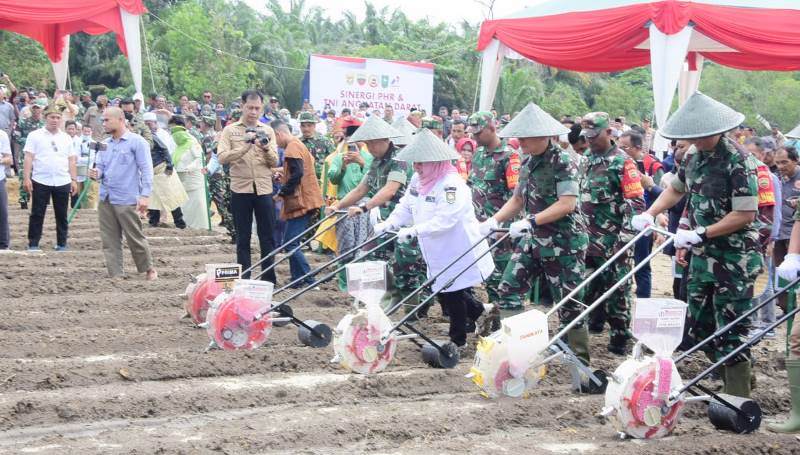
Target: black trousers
243, 207
154, 217
460, 305
42, 194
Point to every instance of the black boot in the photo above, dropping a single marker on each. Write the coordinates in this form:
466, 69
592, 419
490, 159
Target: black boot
177, 217
619, 344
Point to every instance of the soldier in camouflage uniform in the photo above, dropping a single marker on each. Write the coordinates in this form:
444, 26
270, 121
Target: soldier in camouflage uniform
191, 127
611, 196
384, 184
435, 124
319, 145
493, 177
552, 241
722, 187
24, 128
135, 121
219, 180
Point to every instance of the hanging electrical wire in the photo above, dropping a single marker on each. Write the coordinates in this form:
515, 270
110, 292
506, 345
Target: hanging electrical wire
220, 51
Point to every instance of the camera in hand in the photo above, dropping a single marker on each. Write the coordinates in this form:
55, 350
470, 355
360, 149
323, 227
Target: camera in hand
97, 146
261, 137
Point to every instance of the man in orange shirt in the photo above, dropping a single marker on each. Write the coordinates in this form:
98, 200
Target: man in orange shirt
301, 195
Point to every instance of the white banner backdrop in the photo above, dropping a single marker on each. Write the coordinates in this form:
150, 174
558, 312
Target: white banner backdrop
340, 82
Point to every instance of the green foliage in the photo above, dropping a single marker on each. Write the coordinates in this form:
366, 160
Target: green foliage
25, 61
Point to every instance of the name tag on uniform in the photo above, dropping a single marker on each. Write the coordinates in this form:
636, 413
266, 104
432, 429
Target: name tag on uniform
430, 198
450, 194
413, 192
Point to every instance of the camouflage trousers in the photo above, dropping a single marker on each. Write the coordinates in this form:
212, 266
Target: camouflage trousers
717, 294
501, 256
560, 274
219, 188
23, 195
616, 309
407, 271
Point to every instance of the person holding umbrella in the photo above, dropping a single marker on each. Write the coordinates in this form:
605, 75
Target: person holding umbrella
437, 210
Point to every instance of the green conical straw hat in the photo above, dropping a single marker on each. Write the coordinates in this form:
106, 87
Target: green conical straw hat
533, 121
701, 116
406, 128
426, 147
374, 128
794, 134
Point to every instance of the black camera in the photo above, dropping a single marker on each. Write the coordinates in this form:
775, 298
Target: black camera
261, 137
97, 146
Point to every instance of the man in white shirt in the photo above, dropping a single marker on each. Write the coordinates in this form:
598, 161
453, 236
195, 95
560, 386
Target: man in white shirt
50, 172
6, 160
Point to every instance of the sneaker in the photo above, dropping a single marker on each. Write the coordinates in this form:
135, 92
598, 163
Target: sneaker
34, 248
60, 248
619, 345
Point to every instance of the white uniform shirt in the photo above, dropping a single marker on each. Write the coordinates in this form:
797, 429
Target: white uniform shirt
51, 153
5, 149
446, 227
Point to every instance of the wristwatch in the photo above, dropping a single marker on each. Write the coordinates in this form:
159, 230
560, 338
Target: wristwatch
701, 232
532, 220
363, 207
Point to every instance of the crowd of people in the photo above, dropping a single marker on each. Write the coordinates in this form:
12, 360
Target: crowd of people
571, 193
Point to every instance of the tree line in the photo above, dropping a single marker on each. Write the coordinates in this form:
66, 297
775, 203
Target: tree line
224, 46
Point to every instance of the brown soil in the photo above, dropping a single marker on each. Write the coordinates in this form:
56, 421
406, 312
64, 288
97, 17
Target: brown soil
94, 365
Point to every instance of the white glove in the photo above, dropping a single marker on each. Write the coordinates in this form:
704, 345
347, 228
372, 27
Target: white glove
640, 222
685, 238
380, 228
519, 228
789, 267
404, 235
487, 226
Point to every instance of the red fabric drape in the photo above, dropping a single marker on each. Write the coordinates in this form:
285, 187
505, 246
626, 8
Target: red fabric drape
49, 22
605, 40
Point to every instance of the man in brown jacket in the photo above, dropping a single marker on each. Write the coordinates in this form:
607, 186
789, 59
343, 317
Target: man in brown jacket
248, 147
301, 194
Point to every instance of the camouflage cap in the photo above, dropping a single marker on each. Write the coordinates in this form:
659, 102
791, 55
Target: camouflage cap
478, 121
594, 123
209, 120
701, 116
434, 122
236, 114
307, 117
86, 93
190, 117
40, 103
57, 107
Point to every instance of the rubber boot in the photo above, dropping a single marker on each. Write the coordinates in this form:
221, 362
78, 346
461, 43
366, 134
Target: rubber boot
737, 379
792, 425
578, 341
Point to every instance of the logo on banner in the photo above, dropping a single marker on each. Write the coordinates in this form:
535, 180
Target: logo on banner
385, 80
350, 78
362, 79
373, 80
396, 81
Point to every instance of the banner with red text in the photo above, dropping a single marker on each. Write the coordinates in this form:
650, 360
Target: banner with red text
340, 82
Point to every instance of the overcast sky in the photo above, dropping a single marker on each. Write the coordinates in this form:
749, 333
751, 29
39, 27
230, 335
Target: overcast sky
452, 11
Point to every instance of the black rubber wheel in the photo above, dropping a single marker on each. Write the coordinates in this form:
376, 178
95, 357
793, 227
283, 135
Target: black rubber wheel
435, 358
283, 312
593, 389
319, 338
724, 418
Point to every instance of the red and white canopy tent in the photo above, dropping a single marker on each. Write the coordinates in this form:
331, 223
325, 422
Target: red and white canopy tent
51, 23
673, 36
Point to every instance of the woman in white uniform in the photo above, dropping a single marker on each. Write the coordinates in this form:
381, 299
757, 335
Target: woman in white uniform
437, 209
